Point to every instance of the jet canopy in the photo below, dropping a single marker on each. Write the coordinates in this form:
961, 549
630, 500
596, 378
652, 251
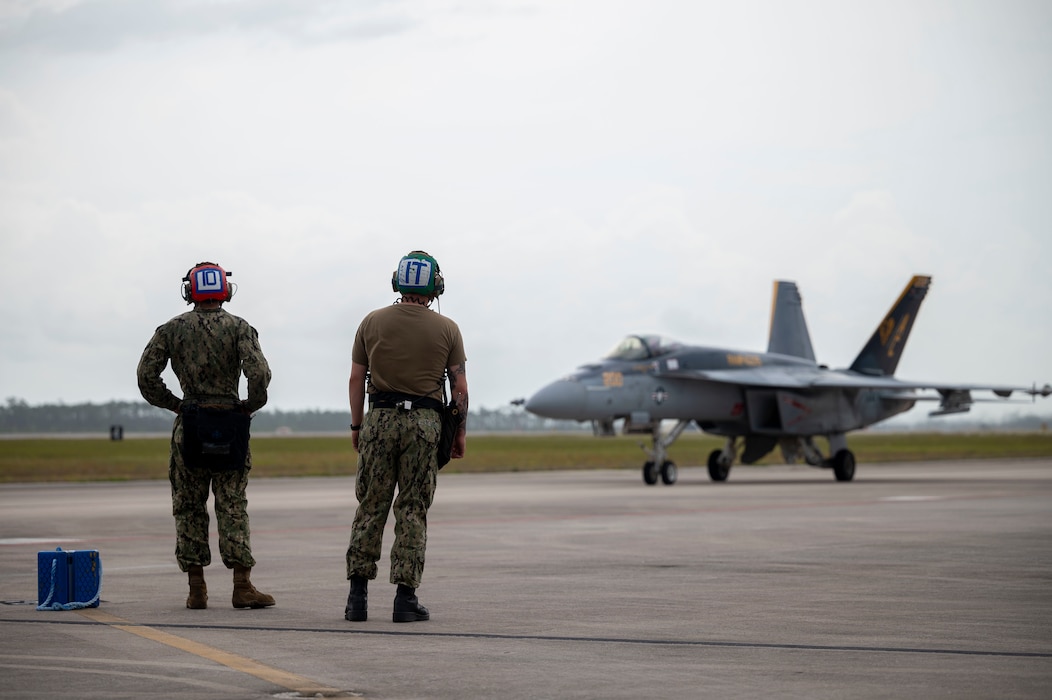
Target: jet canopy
642, 347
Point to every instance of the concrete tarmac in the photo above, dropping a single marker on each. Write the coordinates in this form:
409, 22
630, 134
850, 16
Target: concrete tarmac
915, 580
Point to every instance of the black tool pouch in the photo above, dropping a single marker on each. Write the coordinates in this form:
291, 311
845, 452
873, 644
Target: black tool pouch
215, 438
451, 420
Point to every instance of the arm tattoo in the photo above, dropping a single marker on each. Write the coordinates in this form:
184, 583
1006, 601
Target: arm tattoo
456, 373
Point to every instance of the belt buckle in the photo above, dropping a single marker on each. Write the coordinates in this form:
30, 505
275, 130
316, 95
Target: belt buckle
407, 405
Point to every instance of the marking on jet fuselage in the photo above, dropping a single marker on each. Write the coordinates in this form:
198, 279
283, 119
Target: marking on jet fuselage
803, 410
613, 379
742, 360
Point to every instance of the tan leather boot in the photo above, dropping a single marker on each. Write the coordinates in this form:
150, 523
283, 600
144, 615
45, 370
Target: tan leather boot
198, 598
245, 594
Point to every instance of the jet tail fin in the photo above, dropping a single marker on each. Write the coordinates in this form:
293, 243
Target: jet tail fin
788, 335
881, 354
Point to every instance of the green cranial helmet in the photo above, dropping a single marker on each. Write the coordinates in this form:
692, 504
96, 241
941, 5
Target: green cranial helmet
418, 273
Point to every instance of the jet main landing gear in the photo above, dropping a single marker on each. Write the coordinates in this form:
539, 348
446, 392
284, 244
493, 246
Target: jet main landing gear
842, 461
843, 464
721, 461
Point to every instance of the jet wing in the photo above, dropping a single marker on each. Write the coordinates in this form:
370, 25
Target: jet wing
771, 377
797, 378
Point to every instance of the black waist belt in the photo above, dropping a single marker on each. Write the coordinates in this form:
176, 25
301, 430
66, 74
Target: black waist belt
389, 399
211, 401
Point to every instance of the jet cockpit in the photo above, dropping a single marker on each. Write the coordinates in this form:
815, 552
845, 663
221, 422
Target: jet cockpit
642, 347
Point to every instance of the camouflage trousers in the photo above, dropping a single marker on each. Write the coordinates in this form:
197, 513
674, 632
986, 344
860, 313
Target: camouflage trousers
397, 448
190, 508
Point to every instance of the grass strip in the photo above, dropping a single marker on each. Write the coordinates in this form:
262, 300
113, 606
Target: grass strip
37, 460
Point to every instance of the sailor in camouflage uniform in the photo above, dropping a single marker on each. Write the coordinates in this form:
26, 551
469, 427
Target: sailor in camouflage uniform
400, 355
208, 349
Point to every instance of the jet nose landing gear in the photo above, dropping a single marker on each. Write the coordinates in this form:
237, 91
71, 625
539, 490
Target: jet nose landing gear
659, 466
667, 472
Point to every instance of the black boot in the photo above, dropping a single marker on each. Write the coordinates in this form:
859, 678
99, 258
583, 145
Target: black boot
357, 609
407, 608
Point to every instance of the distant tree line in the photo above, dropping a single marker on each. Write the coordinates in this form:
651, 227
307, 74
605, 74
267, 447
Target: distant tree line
17, 416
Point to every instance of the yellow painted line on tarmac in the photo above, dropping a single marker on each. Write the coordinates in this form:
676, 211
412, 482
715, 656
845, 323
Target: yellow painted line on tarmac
290, 681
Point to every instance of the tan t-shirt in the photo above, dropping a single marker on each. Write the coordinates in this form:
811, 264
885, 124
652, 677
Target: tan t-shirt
407, 348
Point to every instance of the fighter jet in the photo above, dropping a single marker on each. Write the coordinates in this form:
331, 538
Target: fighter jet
756, 400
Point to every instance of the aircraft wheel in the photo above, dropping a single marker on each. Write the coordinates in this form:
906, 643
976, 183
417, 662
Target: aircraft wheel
669, 473
844, 465
718, 471
650, 473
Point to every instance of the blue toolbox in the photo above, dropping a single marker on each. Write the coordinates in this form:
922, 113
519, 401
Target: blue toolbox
68, 580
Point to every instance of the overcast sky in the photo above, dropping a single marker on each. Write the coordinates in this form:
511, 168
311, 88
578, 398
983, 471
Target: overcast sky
581, 169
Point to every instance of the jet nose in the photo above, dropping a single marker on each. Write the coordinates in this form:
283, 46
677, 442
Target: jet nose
562, 399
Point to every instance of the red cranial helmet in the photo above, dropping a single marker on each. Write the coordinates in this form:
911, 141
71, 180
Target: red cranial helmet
206, 281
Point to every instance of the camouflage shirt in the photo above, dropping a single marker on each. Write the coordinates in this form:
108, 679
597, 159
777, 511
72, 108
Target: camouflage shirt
209, 349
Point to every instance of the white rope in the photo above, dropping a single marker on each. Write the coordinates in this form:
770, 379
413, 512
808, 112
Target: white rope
75, 605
